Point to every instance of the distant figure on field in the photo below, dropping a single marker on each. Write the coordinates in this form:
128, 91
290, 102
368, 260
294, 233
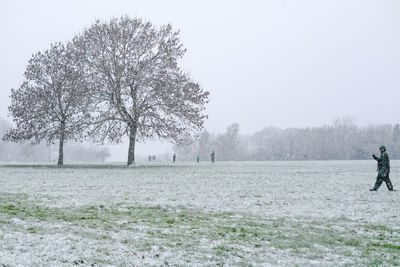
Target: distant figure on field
174, 158
213, 156
383, 170
154, 157
149, 158
198, 158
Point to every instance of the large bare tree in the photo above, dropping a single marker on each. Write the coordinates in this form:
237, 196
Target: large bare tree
53, 101
140, 90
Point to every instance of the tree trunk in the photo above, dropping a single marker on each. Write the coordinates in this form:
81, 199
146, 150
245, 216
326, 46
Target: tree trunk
132, 142
61, 146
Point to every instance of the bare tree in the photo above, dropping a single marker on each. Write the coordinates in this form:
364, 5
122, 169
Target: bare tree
52, 103
141, 91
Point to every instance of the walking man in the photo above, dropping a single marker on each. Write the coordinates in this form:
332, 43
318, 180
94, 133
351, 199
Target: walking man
213, 156
383, 170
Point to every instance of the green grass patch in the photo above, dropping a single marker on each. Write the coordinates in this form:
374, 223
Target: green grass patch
352, 242
385, 245
179, 228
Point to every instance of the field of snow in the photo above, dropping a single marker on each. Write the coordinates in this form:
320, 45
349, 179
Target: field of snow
233, 214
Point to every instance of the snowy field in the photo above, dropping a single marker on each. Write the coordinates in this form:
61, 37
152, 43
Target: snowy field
232, 214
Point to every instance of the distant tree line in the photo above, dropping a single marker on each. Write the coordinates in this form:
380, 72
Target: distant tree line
115, 79
343, 140
75, 152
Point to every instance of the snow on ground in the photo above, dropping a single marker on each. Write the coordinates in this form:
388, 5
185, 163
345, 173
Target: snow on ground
234, 214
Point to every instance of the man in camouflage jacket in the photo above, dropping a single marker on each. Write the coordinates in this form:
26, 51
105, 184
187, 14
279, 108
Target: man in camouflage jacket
383, 170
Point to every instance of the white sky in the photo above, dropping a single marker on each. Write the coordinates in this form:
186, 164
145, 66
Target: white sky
265, 63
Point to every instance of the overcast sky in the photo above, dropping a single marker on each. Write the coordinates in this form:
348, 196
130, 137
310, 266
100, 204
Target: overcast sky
265, 63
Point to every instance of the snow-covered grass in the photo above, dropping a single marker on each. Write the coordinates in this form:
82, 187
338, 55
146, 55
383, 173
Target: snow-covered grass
241, 214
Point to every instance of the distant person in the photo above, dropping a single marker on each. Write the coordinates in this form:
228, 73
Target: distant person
149, 158
212, 156
383, 170
198, 158
154, 157
174, 158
